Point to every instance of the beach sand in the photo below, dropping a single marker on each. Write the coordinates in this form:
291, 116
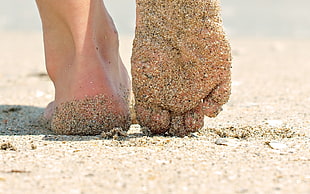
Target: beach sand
259, 144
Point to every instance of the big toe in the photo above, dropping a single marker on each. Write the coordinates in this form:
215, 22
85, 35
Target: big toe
155, 118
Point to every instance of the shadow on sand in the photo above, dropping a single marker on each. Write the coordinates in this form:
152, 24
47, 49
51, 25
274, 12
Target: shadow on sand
22, 120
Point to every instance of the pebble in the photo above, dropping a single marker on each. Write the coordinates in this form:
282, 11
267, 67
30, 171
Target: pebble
7, 146
163, 162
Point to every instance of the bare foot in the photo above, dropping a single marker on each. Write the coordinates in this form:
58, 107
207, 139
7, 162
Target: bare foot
180, 64
82, 58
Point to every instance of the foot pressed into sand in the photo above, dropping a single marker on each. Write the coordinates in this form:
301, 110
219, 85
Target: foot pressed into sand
82, 58
90, 116
180, 64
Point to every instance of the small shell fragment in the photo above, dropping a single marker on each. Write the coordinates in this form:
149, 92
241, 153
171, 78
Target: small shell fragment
221, 141
225, 142
276, 145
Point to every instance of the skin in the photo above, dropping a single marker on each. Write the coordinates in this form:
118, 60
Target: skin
180, 64
82, 59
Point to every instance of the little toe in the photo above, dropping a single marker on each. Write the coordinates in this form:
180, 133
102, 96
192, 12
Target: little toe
212, 104
210, 107
155, 118
221, 93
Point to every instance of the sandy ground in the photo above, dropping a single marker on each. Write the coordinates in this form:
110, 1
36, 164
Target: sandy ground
260, 143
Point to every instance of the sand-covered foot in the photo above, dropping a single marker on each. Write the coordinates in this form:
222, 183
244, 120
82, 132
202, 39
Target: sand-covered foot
90, 116
180, 64
82, 58
91, 101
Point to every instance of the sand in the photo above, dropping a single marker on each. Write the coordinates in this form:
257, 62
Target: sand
259, 143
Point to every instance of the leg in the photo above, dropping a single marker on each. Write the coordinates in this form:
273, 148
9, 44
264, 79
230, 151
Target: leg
180, 64
82, 59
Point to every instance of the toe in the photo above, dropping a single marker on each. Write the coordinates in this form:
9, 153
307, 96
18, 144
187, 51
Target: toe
210, 107
177, 127
156, 119
221, 93
212, 104
190, 122
194, 119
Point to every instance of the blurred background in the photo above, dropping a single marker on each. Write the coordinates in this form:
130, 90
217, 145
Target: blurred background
251, 18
